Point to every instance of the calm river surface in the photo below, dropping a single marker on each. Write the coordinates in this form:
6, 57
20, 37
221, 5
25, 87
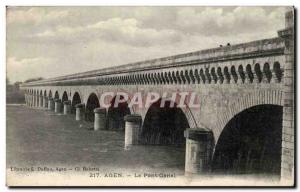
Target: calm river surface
37, 137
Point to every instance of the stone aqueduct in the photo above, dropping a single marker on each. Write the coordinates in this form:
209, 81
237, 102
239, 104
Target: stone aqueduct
228, 80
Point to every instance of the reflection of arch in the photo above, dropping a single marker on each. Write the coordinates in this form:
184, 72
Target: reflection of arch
91, 104
251, 142
75, 100
115, 115
164, 126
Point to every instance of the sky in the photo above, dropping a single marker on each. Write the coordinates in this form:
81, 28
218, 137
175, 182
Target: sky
53, 41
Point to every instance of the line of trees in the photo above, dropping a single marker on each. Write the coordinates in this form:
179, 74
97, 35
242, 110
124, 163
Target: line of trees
14, 95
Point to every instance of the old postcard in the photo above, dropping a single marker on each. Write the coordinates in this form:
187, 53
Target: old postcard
150, 96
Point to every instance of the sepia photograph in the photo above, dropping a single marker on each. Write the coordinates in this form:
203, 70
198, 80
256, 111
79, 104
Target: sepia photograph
150, 96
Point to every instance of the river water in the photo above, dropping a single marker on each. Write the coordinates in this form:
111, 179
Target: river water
37, 137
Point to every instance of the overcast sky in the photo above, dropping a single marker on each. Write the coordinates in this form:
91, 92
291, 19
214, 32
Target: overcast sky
54, 41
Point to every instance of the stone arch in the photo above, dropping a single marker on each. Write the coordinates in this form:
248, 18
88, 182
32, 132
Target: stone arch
208, 75
250, 143
64, 96
76, 99
262, 97
220, 75
182, 77
50, 94
192, 76
174, 80
267, 72
202, 75
277, 72
227, 74
56, 95
116, 114
197, 76
158, 78
214, 75
152, 78
164, 125
234, 74
45, 93
187, 77
258, 72
166, 77
241, 73
143, 79
249, 73
178, 79
148, 78
137, 79
91, 104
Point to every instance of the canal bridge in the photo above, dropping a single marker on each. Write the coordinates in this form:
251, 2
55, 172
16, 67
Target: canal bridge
245, 122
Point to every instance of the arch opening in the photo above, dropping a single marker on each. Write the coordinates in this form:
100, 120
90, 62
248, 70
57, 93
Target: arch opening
250, 143
91, 104
164, 125
115, 115
56, 95
75, 100
64, 97
277, 71
50, 94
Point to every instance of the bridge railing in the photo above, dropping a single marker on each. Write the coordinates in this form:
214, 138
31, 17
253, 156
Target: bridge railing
142, 72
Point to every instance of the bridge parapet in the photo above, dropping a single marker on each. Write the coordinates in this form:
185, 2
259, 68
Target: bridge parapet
204, 66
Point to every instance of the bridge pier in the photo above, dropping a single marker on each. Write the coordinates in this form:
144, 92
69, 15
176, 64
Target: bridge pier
79, 107
29, 100
26, 99
100, 119
40, 101
132, 127
34, 100
50, 104
67, 107
288, 130
57, 105
45, 102
199, 148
